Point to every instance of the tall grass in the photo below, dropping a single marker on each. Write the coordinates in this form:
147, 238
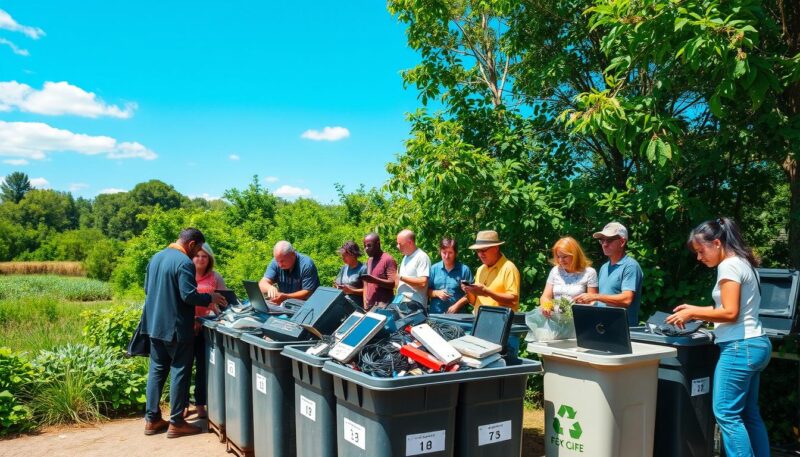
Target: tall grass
15, 287
65, 401
42, 268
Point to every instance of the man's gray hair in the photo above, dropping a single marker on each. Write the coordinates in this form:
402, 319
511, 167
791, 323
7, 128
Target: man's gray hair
283, 247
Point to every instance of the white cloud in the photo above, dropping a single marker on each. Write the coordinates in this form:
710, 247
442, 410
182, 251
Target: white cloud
76, 186
58, 98
270, 179
290, 192
34, 140
205, 196
40, 183
112, 190
18, 162
327, 134
8, 23
233, 157
16, 50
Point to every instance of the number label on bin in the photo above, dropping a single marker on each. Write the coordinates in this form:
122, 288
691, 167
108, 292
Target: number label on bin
425, 443
212, 359
701, 386
308, 408
355, 434
261, 383
232, 368
494, 433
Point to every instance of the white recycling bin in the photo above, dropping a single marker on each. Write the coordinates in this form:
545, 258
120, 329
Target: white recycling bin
596, 404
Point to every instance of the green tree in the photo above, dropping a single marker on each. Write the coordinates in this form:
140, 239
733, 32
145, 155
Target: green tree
252, 208
15, 186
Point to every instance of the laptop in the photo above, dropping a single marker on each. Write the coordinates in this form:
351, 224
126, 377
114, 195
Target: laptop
258, 302
602, 328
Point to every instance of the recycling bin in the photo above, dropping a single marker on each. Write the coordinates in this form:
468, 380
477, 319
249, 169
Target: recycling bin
421, 415
315, 403
599, 404
215, 378
684, 414
238, 393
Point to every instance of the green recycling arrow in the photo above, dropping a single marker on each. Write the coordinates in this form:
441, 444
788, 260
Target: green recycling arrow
575, 432
566, 409
557, 426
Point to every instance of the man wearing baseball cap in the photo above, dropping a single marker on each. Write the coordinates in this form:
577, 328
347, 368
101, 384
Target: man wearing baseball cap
497, 280
621, 277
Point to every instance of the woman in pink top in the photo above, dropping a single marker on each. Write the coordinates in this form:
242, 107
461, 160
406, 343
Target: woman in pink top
208, 281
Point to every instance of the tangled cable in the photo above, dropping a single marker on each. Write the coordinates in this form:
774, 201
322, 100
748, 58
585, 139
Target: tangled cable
383, 358
446, 330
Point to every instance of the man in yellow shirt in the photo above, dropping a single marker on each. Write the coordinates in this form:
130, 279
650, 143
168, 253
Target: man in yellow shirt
497, 280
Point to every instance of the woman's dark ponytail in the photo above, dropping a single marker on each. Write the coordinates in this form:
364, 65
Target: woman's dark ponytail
727, 232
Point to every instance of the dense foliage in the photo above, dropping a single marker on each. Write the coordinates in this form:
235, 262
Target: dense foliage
15, 374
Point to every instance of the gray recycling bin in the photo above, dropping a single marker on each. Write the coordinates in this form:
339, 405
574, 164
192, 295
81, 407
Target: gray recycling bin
421, 415
272, 394
597, 404
315, 404
238, 392
684, 415
215, 378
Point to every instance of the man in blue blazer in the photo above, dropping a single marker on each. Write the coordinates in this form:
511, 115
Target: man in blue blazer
170, 297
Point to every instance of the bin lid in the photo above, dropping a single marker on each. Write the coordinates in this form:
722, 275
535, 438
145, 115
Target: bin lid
643, 334
209, 323
568, 349
256, 339
526, 367
298, 352
779, 291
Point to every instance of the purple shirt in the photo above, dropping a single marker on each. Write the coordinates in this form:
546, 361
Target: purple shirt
384, 267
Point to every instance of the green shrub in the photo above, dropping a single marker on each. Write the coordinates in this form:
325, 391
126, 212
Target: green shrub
16, 374
116, 384
111, 327
68, 399
65, 288
102, 258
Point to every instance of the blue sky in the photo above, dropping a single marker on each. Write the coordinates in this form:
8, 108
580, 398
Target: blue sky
96, 96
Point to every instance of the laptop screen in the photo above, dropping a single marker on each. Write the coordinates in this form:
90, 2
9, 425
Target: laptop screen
256, 297
602, 328
492, 324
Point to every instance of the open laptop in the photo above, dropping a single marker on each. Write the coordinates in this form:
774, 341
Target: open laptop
602, 328
258, 302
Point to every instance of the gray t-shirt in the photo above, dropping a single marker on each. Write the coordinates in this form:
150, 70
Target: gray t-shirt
352, 277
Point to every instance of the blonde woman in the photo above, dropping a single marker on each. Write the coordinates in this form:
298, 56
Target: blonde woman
571, 274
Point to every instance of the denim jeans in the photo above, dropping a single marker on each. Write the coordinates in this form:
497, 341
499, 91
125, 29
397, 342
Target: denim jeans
736, 382
166, 357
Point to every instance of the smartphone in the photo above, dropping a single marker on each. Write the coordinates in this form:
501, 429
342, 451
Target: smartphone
468, 283
358, 336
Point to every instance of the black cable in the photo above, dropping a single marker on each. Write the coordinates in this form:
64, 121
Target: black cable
383, 359
446, 330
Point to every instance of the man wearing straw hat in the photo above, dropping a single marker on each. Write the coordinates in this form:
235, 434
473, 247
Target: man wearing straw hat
497, 280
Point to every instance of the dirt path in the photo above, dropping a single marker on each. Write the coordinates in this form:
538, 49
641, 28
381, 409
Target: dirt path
125, 437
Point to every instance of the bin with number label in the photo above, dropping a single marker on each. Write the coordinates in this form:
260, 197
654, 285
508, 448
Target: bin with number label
684, 415
410, 415
215, 378
238, 394
315, 404
272, 397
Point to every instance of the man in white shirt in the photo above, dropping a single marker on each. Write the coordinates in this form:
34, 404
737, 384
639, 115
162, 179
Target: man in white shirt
412, 280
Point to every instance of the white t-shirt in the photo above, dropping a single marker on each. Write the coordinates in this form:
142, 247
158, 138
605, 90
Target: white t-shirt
748, 325
415, 265
569, 285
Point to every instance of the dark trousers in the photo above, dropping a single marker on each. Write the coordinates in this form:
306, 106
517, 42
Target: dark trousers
200, 371
165, 357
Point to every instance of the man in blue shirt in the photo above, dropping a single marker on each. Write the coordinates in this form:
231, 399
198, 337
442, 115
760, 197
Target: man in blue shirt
289, 275
444, 284
621, 277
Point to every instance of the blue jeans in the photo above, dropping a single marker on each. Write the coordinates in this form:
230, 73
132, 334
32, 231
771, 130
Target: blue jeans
165, 357
736, 382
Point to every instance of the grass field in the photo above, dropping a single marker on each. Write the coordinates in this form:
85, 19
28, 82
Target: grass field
42, 312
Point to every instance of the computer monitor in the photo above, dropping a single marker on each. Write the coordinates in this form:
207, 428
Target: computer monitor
324, 310
602, 328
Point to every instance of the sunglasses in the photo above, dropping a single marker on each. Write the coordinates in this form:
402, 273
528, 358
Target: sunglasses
609, 240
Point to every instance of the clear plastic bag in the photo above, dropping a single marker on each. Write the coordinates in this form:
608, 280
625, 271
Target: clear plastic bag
559, 326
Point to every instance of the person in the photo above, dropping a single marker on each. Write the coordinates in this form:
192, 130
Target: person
290, 274
349, 277
444, 285
415, 268
208, 281
170, 297
620, 277
381, 270
744, 348
497, 279
571, 274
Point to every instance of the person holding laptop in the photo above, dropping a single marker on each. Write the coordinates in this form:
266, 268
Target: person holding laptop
744, 348
621, 277
290, 274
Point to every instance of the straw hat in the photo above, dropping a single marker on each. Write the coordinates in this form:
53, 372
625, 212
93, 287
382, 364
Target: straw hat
486, 239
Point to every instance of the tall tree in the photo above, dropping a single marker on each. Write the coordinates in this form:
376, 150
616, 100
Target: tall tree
15, 186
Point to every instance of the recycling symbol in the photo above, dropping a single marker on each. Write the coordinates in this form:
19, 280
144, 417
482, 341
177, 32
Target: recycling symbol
566, 412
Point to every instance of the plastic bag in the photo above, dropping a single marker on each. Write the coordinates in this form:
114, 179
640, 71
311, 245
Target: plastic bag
559, 326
